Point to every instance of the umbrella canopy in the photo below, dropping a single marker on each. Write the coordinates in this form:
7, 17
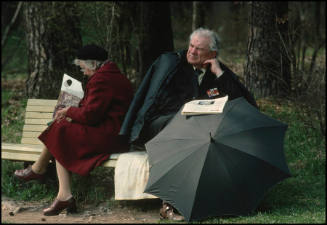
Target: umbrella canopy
222, 164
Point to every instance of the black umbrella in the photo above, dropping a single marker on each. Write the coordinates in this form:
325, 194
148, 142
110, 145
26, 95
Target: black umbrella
222, 164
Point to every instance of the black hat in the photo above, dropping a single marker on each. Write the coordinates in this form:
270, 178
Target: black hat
92, 52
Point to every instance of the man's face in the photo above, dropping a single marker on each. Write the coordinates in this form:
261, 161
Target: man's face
198, 51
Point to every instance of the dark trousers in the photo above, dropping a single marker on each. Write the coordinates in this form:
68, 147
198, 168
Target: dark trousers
149, 131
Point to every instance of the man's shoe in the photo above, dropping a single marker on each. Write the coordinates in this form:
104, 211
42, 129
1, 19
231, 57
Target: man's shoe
167, 212
28, 174
57, 206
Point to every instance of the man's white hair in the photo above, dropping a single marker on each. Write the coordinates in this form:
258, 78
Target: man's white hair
213, 37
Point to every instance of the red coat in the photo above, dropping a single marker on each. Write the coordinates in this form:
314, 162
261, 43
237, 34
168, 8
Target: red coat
92, 135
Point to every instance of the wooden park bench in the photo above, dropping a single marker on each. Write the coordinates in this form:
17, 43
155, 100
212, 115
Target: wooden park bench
38, 114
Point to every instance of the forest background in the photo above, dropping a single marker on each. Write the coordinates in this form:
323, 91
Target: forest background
277, 49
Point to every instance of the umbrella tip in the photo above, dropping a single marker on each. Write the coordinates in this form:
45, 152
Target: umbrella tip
211, 139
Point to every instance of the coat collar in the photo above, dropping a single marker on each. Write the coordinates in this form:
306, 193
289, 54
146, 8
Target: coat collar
108, 67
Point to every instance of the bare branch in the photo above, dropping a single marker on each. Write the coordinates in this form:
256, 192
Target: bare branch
12, 22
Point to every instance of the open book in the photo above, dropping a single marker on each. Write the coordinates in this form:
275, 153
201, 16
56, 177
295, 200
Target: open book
71, 93
204, 106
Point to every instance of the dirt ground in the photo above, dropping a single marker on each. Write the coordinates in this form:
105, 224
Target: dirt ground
31, 212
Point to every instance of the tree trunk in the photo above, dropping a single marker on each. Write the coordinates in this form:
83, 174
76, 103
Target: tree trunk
145, 32
319, 41
198, 15
156, 35
53, 38
281, 25
268, 66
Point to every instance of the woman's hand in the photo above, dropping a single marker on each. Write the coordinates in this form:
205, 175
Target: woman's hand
61, 114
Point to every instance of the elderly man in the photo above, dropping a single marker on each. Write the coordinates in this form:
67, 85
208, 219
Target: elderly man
174, 79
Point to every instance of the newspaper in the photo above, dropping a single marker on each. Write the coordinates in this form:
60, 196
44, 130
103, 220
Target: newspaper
71, 93
204, 106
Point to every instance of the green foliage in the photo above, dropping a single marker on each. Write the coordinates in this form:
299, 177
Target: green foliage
95, 20
304, 146
14, 54
16, 189
12, 111
84, 190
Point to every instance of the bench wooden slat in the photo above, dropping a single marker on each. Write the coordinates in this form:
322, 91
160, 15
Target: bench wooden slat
20, 152
31, 134
26, 148
37, 121
28, 127
43, 102
38, 115
31, 152
33, 157
34, 148
19, 157
24, 152
110, 163
114, 156
38, 108
34, 141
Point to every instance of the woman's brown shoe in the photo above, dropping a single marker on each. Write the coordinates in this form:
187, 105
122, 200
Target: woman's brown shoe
57, 206
28, 174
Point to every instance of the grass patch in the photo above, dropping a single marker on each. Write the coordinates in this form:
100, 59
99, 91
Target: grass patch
304, 146
103, 177
299, 199
18, 190
12, 111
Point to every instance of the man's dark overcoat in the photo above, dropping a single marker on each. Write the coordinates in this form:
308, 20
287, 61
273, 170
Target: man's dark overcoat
92, 135
154, 91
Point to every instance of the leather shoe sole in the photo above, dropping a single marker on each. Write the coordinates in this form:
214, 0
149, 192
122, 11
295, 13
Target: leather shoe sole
57, 206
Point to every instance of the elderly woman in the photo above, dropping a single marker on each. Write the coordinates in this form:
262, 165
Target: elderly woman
83, 137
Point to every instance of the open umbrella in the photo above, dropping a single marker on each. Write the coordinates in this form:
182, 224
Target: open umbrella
222, 164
